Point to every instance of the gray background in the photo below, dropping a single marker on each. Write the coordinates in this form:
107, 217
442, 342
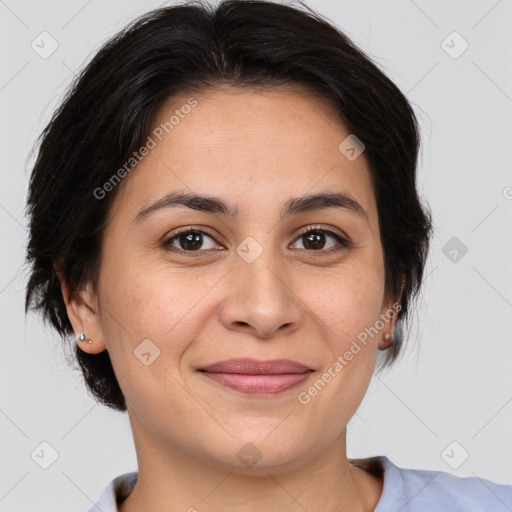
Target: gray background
454, 383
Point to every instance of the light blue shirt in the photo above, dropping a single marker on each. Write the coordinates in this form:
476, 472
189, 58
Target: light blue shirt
405, 490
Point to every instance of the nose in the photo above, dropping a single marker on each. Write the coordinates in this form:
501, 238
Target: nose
261, 300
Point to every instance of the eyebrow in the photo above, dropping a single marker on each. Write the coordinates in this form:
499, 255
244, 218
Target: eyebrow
217, 205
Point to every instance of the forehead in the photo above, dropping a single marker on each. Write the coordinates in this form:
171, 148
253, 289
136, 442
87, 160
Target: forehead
253, 147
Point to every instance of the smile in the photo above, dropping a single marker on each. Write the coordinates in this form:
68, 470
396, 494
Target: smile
255, 377
259, 383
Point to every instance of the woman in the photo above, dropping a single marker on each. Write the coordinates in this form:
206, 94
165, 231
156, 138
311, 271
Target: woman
224, 212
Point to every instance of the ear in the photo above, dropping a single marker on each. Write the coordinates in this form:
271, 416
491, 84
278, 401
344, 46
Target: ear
389, 314
81, 306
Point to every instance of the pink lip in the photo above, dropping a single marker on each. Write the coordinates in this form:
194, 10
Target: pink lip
253, 376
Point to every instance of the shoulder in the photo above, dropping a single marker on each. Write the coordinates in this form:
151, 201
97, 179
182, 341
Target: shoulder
116, 491
417, 490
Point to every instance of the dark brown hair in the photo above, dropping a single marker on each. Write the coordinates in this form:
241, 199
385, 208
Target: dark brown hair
107, 112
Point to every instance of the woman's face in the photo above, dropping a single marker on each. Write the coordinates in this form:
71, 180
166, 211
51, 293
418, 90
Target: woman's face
249, 285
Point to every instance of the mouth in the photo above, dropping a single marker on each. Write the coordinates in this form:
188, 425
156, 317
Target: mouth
258, 377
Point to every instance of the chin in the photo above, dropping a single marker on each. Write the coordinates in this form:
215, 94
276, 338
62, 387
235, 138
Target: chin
264, 452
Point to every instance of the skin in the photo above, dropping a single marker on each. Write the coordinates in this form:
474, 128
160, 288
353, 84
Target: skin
255, 149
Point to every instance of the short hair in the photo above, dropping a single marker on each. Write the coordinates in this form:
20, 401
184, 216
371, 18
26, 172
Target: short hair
108, 111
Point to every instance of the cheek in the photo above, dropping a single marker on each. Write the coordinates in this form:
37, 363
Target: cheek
136, 293
347, 309
347, 302
152, 302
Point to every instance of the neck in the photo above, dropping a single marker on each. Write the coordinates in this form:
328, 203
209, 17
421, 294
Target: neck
171, 480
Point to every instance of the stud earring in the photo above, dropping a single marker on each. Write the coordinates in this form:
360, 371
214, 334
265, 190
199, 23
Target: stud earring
81, 337
388, 337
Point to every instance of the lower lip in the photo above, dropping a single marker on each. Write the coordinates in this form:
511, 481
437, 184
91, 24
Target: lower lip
258, 383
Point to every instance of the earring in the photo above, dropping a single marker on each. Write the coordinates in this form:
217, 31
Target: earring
81, 337
388, 337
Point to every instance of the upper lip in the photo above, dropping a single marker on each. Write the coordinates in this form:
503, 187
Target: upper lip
250, 366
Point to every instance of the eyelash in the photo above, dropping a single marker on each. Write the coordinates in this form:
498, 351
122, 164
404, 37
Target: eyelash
311, 229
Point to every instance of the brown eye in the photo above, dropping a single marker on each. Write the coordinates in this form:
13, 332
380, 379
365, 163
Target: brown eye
315, 239
188, 241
